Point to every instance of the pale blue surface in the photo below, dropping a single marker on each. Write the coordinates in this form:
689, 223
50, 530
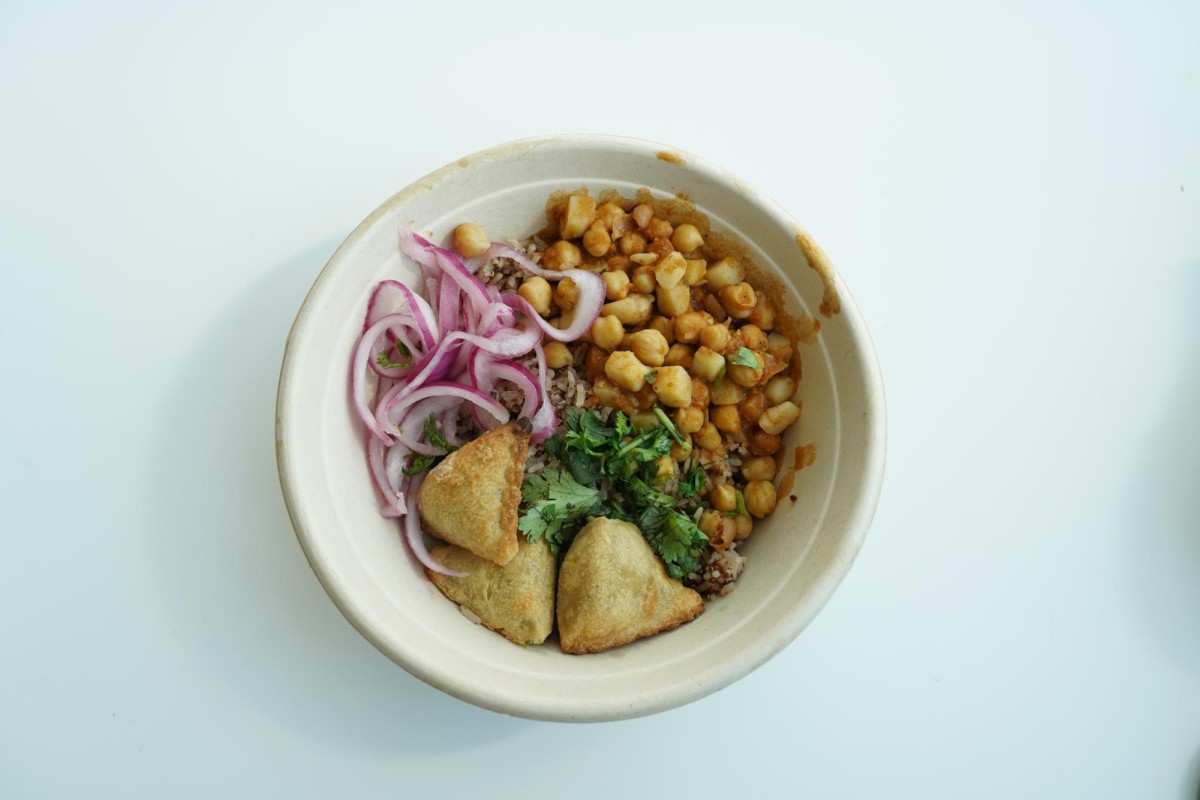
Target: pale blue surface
1012, 194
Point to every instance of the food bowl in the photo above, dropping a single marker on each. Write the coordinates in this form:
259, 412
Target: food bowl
796, 557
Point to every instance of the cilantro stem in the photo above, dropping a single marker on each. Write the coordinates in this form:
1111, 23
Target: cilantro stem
666, 423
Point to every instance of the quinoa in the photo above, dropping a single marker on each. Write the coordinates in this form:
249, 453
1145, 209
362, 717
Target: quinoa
717, 575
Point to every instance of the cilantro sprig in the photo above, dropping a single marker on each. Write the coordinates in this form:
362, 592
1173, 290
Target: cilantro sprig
611, 470
384, 359
745, 357
418, 462
557, 505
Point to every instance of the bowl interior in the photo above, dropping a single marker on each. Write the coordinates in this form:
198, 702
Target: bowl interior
795, 558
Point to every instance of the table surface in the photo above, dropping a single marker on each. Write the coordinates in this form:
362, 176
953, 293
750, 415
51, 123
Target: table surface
1011, 192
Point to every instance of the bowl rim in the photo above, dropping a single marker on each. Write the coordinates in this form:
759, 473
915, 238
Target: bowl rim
849, 544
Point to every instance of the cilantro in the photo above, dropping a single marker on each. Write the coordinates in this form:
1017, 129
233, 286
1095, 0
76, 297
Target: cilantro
434, 436
651, 376
692, 482
746, 358
384, 359
678, 542
741, 507
418, 463
556, 504
610, 469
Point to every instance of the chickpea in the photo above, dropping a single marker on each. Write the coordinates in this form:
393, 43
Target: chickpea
780, 389
719, 529
558, 355
663, 326
708, 365
759, 468
649, 346
624, 369
562, 255
563, 321
674, 300
618, 262
597, 241
760, 498
669, 272
666, 466
723, 497
680, 355
726, 272
689, 420
642, 214
470, 240
605, 393
753, 406
715, 337
746, 376
742, 526
727, 419
537, 293
726, 393
763, 313
708, 437
780, 346
679, 452
776, 420
764, 444
687, 238
660, 228
643, 420
634, 309
631, 243
695, 271
752, 336
616, 284
673, 386
608, 213
566, 294
688, 326
644, 280
578, 215
607, 332
737, 300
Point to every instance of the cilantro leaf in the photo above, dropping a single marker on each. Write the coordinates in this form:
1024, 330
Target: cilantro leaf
557, 504
651, 376
747, 358
679, 542
691, 484
418, 463
384, 359
434, 436
610, 469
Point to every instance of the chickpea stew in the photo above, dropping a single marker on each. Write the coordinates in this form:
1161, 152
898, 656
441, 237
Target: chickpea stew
686, 335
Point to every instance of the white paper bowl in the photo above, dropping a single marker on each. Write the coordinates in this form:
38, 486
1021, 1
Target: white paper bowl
795, 558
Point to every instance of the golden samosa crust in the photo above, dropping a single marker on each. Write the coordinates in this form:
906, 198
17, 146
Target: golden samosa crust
613, 589
516, 600
471, 498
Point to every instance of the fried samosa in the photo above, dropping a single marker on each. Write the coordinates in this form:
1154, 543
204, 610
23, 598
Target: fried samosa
516, 600
613, 589
471, 498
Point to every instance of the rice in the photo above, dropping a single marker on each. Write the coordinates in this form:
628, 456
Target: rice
716, 577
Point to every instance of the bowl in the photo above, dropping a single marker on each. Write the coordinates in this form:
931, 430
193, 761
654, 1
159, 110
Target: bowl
795, 559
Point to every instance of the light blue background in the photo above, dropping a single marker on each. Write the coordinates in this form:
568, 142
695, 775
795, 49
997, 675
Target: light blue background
1012, 192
